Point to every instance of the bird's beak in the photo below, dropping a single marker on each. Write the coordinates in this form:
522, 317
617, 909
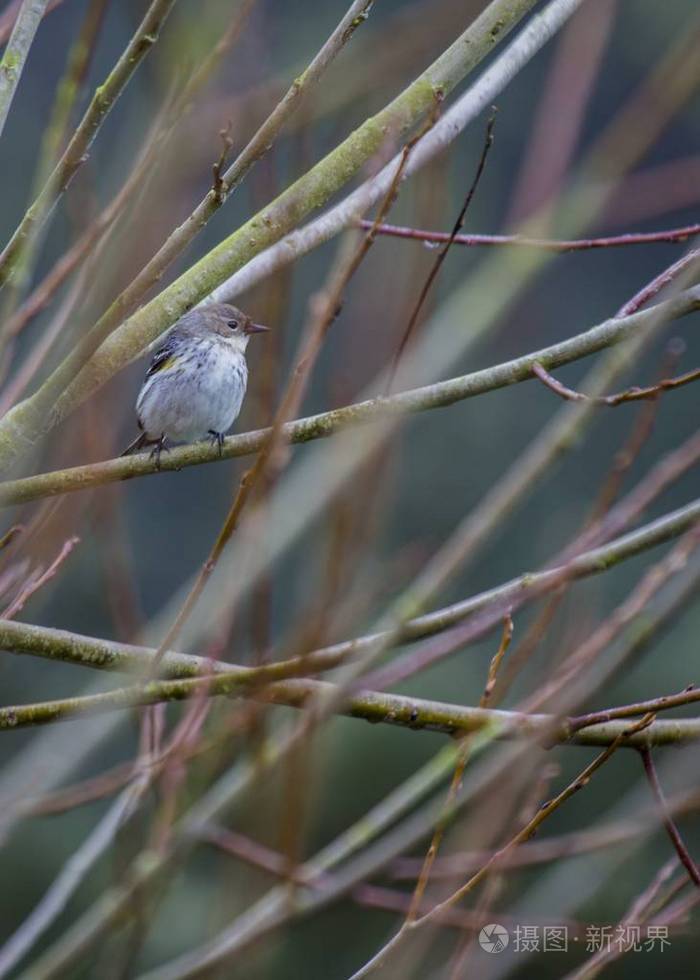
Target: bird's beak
251, 327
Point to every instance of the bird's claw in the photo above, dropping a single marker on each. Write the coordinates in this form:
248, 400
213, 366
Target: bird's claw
158, 449
217, 438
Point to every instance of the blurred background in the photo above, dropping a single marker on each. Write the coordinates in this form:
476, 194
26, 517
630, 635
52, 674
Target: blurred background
609, 107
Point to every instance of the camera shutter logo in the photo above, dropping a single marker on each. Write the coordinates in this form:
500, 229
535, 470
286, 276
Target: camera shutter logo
494, 938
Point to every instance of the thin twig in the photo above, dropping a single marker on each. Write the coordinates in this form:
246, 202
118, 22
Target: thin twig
684, 270
218, 188
437, 265
629, 395
495, 664
38, 580
678, 235
669, 823
640, 431
551, 849
664, 702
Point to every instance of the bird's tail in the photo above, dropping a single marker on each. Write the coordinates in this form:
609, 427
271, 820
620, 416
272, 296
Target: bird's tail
139, 442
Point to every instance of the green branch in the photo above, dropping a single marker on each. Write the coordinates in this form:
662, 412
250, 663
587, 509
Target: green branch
392, 709
437, 395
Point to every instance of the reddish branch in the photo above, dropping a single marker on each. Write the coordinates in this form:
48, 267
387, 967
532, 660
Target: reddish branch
669, 823
690, 695
688, 264
38, 579
629, 395
551, 245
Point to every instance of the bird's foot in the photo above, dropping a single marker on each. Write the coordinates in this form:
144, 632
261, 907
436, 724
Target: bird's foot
217, 438
160, 445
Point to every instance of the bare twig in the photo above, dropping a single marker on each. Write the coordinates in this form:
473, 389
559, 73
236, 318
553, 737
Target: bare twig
640, 431
610, 834
437, 265
495, 664
688, 695
80, 794
630, 394
38, 580
678, 235
669, 823
218, 186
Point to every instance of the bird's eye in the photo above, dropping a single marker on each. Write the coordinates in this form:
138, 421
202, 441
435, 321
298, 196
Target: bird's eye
233, 324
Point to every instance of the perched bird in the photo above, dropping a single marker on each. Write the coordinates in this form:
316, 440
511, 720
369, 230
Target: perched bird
195, 384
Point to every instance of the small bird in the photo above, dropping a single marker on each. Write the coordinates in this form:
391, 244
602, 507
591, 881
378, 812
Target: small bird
196, 381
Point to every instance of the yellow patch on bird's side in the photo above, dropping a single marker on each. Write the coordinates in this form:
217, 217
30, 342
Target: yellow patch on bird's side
166, 364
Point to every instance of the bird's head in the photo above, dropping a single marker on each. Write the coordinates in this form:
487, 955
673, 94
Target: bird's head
227, 321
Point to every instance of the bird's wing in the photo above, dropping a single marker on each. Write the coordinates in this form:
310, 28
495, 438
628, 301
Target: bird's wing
166, 356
